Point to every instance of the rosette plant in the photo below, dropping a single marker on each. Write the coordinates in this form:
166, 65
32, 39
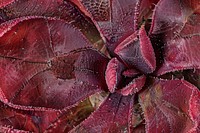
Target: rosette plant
102, 66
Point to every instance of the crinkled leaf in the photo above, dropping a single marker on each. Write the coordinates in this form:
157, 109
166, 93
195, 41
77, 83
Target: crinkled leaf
114, 74
112, 116
115, 19
138, 53
178, 24
40, 65
109, 16
134, 86
52, 8
167, 106
18, 8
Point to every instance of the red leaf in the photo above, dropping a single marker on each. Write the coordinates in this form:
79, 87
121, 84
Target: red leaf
41, 65
114, 74
109, 16
71, 118
34, 121
192, 76
134, 86
8, 129
52, 8
24, 7
130, 73
195, 109
3, 3
139, 129
178, 23
23, 121
115, 19
112, 116
138, 53
167, 106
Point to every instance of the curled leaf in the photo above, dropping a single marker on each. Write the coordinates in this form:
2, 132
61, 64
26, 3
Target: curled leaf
138, 53
114, 74
134, 86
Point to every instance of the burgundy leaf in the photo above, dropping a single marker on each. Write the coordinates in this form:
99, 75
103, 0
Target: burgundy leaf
35, 121
114, 74
71, 118
146, 8
8, 129
41, 66
110, 18
112, 116
52, 8
192, 76
24, 7
167, 106
139, 129
195, 109
181, 54
138, 53
14, 119
20, 8
130, 73
99, 10
115, 19
178, 24
5, 2
134, 86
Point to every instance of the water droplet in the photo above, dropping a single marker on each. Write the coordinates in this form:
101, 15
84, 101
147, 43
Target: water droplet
81, 82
